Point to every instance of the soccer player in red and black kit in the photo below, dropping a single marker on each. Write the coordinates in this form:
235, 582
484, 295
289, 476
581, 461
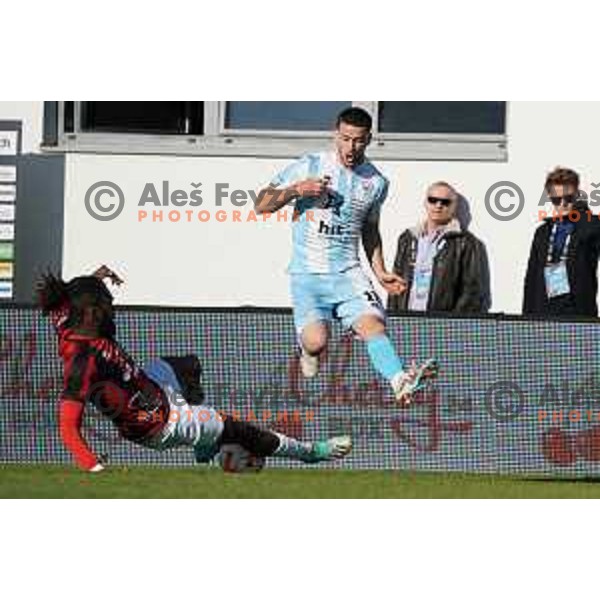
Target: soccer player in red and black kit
141, 401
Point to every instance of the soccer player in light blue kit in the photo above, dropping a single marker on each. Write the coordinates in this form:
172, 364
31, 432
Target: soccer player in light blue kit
338, 197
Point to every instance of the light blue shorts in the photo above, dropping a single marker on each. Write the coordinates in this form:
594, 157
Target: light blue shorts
343, 296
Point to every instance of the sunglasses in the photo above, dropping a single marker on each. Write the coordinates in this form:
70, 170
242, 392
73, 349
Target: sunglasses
569, 199
446, 202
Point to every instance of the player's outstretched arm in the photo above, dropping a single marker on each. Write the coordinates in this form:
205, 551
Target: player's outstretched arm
104, 272
70, 419
391, 282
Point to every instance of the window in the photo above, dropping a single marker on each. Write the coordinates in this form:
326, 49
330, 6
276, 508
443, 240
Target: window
69, 116
401, 130
441, 117
282, 116
143, 117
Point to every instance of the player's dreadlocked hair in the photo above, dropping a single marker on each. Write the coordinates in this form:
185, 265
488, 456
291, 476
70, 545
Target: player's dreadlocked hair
51, 292
88, 284
80, 294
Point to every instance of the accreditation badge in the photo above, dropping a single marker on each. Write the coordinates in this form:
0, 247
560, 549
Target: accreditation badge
422, 283
557, 280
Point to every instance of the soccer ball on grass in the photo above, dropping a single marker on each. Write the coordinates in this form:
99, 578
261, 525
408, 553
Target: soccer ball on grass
235, 459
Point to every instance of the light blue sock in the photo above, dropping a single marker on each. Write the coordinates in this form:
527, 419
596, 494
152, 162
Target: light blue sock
383, 356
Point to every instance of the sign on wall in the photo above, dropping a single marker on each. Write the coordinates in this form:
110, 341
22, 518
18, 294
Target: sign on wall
10, 148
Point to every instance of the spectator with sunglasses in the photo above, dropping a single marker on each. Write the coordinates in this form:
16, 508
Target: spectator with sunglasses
444, 265
561, 275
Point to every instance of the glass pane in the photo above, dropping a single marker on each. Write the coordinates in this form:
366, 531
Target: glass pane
50, 132
442, 117
68, 116
284, 116
143, 117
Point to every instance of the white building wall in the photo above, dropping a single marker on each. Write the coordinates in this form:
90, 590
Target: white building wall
232, 264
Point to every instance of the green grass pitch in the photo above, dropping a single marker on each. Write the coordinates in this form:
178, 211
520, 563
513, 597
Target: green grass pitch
46, 481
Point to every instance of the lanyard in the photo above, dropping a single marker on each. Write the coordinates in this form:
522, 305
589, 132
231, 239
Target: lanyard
413, 251
565, 251
439, 244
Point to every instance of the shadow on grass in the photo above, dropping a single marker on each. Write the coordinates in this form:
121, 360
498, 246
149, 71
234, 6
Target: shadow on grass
557, 479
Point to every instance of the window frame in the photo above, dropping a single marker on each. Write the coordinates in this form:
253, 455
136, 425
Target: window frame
217, 140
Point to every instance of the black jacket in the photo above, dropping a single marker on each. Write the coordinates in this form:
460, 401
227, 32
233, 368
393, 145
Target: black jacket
582, 263
460, 280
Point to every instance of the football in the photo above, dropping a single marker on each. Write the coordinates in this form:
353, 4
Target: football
235, 459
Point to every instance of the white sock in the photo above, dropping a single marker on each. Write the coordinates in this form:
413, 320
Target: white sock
292, 448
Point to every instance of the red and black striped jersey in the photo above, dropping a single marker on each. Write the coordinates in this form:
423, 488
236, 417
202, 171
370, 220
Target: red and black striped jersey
99, 371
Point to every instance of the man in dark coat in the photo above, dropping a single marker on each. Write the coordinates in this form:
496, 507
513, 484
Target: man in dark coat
445, 266
561, 275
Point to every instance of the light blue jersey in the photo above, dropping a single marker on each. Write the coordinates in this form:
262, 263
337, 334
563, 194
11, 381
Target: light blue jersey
327, 232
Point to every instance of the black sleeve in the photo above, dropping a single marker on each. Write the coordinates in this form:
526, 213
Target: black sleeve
534, 278
474, 293
401, 267
596, 221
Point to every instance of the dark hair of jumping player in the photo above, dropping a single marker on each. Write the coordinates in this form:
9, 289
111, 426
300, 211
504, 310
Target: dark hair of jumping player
355, 116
